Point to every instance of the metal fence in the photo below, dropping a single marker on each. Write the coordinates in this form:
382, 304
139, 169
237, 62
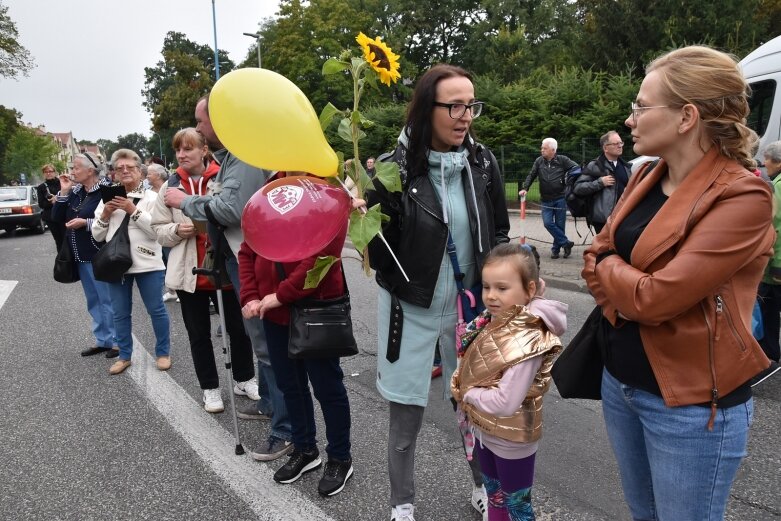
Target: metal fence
515, 161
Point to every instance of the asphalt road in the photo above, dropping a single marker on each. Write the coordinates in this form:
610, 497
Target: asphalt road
76, 443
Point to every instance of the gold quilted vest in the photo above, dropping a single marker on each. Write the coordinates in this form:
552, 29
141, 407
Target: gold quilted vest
509, 339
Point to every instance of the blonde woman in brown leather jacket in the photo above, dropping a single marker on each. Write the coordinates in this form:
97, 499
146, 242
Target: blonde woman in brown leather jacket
675, 270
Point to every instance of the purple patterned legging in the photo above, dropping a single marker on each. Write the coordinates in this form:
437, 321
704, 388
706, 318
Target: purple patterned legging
508, 483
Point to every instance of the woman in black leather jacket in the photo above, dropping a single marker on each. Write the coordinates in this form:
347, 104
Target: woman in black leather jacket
451, 184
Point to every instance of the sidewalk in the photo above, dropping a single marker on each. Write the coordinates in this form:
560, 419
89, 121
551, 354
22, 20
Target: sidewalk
558, 273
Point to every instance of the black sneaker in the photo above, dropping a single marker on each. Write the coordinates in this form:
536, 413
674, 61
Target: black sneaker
554, 255
297, 465
568, 249
767, 373
335, 476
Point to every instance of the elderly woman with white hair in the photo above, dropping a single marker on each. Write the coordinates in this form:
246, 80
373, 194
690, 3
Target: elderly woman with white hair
75, 206
156, 176
147, 270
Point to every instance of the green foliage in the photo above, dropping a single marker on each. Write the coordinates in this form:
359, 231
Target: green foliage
316, 274
9, 122
175, 83
28, 152
15, 59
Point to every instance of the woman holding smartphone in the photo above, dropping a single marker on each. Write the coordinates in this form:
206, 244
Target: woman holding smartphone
75, 206
147, 270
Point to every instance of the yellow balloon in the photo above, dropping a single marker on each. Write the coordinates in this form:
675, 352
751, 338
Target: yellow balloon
265, 120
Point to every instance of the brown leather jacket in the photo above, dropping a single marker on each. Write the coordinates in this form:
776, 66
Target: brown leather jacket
693, 278
509, 339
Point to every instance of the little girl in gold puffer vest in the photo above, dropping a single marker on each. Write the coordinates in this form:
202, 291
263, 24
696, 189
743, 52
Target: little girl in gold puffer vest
508, 351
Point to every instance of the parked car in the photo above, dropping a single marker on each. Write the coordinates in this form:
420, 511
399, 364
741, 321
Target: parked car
19, 208
762, 69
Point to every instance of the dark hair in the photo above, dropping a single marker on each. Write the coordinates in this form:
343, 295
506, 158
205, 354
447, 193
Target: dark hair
523, 256
205, 98
156, 160
418, 122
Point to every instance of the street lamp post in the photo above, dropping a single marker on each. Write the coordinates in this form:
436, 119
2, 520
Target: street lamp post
216, 53
258, 36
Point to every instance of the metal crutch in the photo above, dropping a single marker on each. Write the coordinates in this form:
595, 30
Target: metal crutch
218, 276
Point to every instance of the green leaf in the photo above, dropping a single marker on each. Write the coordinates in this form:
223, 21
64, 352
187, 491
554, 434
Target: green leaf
332, 66
366, 123
327, 114
364, 226
357, 62
388, 175
315, 275
345, 130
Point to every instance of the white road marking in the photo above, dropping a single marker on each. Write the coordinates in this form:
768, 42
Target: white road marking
6, 287
251, 481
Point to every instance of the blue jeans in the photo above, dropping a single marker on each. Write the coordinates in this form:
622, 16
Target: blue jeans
327, 379
149, 285
98, 305
554, 217
272, 402
672, 467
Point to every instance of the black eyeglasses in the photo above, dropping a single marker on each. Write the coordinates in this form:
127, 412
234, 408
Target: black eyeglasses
457, 110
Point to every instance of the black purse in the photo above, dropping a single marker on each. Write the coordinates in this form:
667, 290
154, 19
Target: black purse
321, 328
577, 371
113, 259
64, 266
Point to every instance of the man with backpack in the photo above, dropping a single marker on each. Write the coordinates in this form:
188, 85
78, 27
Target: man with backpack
552, 170
603, 180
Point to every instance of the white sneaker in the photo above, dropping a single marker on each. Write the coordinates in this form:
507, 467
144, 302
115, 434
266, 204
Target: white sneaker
169, 296
480, 501
248, 389
212, 400
403, 512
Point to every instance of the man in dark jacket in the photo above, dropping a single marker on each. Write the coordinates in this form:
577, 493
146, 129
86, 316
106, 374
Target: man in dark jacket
603, 180
552, 170
47, 196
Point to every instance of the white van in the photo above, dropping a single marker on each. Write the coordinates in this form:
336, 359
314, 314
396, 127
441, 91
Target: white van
762, 69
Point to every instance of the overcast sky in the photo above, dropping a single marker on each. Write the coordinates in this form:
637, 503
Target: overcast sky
91, 54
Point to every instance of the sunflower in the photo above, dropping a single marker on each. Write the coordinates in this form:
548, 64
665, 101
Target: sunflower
380, 57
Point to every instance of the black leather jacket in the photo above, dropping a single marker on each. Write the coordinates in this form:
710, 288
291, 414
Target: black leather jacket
602, 198
417, 233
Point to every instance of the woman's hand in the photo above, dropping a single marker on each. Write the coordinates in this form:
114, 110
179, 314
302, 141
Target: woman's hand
65, 184
123, 203
75, 224
185, 230
269, 302
251, 309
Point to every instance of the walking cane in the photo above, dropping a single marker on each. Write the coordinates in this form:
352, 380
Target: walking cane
217, 275
523, 219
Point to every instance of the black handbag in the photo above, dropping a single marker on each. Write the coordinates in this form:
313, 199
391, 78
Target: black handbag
577, 371
64, 266
113, 259
321, 328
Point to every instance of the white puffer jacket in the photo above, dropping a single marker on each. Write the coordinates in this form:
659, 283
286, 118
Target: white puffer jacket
145, 251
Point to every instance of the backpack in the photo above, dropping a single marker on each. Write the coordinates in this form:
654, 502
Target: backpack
577, 205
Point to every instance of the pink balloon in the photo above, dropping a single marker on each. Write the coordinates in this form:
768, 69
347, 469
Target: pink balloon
293, 218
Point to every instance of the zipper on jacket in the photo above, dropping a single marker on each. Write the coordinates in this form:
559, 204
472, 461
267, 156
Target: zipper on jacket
714, 390
721, 308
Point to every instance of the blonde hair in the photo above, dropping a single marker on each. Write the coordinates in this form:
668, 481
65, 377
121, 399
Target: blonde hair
711, 81
188, 136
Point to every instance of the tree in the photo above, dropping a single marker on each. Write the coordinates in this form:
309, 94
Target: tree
175, 83
28, 152
9, 122
630, 33
15, 59
135, 142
